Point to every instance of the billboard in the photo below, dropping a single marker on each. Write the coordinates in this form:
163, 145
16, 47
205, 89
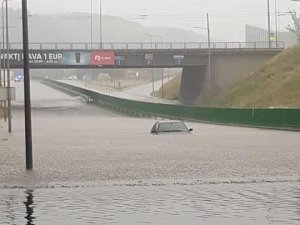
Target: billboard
56, 57
102, 58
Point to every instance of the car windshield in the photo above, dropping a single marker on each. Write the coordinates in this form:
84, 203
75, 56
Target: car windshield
172, 127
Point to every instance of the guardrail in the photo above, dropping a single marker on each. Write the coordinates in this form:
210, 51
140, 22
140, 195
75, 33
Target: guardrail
156, 45
267, 118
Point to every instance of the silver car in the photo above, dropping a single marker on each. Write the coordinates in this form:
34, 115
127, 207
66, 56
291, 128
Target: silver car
162, 127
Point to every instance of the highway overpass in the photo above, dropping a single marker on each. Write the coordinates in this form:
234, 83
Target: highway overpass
228, 61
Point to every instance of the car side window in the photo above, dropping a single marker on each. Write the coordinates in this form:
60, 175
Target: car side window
154, 128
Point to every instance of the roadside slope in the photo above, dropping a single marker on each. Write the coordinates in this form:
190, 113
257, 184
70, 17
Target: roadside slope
170, 89
276, 84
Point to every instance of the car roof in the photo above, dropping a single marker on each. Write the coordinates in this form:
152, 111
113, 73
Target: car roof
170, 121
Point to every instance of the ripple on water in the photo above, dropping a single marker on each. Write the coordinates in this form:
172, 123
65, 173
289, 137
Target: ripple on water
250, 203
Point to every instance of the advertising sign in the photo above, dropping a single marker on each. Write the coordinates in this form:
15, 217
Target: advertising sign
76, 58
103, 58
149, 58
35, 57
56, 57
119, 60
178, 59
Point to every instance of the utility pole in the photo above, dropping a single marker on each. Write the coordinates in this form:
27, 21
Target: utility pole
28, 130
209, 51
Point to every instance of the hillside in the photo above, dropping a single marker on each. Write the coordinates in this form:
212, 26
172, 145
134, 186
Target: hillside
276, 84
76, 27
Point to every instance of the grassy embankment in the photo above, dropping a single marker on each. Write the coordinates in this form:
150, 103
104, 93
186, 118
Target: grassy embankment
170, 89
275, 84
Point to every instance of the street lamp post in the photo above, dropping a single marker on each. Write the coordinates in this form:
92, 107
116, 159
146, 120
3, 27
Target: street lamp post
152, 75
91, 24
101, 38
269, 23
27, 100
162, 79
6, 63
8, 71
209, 48
162, 75
3, 61
209, 51
157, 36
151, 39
276, 24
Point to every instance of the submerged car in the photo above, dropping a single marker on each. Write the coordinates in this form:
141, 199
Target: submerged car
161, 127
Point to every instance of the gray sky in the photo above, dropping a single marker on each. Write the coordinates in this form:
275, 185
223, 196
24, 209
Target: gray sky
227, 17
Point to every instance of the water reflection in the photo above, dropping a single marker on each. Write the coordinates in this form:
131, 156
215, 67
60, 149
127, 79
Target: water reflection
29, 207
297, 196
10, 210
251, 204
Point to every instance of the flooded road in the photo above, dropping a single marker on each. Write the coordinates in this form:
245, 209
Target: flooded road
93, 166
231, 204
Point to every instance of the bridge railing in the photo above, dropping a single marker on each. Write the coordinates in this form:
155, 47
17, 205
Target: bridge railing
152, 46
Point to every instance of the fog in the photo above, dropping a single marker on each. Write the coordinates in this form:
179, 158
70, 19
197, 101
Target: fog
227, 19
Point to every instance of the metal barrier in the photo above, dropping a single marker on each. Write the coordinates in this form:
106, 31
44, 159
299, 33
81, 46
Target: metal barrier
156, 45
271, 118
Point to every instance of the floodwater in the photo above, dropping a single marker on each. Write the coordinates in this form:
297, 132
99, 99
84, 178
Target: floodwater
234, 204
93, 166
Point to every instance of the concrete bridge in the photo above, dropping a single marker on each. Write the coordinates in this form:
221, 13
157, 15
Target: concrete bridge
229, 61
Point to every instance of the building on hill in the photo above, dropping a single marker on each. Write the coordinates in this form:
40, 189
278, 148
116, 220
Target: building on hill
256, 34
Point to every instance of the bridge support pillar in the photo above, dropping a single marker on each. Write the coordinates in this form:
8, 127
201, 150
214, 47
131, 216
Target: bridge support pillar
192, 83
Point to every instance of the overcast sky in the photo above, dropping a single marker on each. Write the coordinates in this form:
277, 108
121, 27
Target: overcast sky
227, 18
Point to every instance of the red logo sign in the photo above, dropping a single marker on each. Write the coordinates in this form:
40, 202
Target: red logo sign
103, 58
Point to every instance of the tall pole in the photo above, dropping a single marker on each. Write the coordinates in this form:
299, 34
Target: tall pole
152, 80
209, 51
162, 84
8, 71
101, 38
28, 130
276, 24
1, 79
91, 23
1, 55
4, 64
269, 23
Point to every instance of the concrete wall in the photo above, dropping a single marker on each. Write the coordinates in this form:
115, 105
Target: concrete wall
226, 69
192, 82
